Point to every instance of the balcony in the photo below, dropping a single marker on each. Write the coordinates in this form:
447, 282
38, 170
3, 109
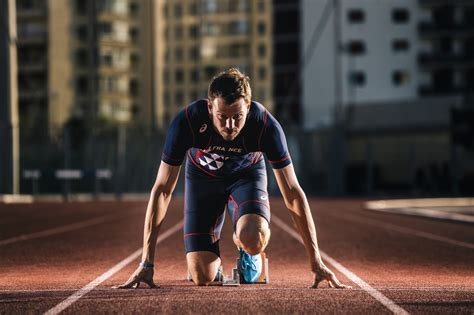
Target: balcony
430, 90
29, 95
430, 61
32, 67
33, 13
435, 3
433, 30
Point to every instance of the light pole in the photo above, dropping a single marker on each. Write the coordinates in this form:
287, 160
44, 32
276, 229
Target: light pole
9, 122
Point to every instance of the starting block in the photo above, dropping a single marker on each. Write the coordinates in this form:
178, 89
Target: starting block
235, 278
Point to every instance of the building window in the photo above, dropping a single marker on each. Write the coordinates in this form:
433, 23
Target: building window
261, 6
400, 77
81, 32
134, 60
135, 109
209, 6
238, 27
82, 57
134, 8
178, 54
104, 29
211, 29
400, 15
81, 85
193, 31
81, 6
356, 47
262, 73
356, 16
195, 75
211, 71
178, 11
262, 50
179, 76
24, 5
134, 34
133, 87
262, 28
178, 32
357, 78
400, 45
194, 95
179, 97
193, 9
106, 58
194, 53
238, 51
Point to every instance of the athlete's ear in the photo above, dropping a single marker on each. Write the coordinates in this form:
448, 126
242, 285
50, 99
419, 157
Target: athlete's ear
209, 106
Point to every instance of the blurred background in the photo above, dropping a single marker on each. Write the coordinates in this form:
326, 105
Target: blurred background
376, 97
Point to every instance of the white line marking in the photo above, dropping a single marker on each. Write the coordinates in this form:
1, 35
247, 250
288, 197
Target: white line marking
430, 213
389, 226
58, 230
425, 202
109, 273
394, 308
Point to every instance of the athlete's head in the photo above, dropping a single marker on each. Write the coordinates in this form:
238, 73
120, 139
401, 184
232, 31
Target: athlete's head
229, 102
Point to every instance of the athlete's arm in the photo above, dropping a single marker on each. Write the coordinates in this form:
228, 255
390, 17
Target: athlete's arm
296, 202
160, 198
158, 203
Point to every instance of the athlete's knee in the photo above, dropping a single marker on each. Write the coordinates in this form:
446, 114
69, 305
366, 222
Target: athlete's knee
253, 234
203, 267
202, 279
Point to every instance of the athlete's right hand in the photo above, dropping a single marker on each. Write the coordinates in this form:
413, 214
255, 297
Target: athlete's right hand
142, 274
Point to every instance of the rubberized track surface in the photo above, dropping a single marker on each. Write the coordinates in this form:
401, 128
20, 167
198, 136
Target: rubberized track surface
50, 251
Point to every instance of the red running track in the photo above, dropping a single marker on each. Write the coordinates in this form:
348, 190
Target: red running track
52, 251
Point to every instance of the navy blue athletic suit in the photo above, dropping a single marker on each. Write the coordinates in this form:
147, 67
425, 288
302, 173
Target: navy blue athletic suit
220, 172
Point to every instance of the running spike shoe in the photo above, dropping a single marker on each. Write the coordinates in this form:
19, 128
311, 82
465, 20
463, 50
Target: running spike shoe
250, 267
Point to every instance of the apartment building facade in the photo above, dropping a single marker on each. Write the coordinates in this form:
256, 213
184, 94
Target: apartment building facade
87, 59
204, 37
386, 75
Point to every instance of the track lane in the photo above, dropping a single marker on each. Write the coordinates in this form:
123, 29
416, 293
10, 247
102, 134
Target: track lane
402, 267
67, 261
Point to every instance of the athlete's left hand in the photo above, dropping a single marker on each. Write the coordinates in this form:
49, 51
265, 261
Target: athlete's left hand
141, 274
324, 273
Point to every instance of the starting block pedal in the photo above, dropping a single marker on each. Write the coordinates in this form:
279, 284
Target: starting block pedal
233, 280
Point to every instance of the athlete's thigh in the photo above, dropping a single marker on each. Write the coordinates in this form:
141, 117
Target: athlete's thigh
249, 195
205, 202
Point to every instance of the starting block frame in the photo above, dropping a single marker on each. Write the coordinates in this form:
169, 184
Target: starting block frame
234, 280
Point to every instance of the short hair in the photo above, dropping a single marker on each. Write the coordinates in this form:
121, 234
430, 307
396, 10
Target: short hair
230, 85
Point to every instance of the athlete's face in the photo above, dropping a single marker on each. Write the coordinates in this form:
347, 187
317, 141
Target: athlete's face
228, 119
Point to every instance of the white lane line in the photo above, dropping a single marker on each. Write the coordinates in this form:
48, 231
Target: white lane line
58, 230
109, 273
389, 304
430, 213
389, 226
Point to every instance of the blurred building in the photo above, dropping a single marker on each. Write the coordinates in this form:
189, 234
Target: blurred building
204, 37
86, 59
447, 54
134, 61
382, 80
286, 60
